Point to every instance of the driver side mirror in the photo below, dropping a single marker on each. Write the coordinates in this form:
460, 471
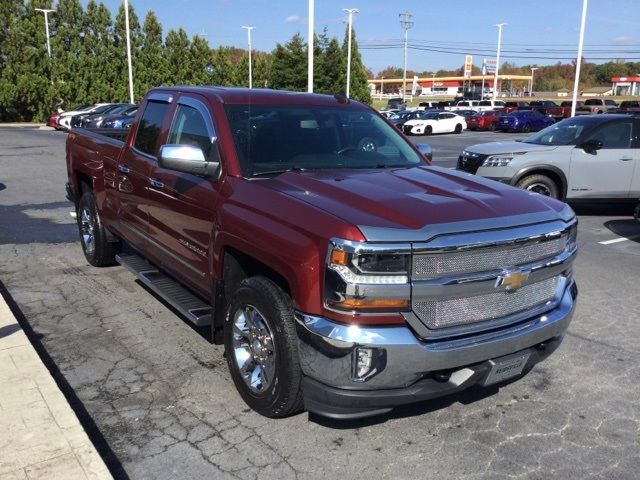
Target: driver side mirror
591, 145
425, 150
187, 159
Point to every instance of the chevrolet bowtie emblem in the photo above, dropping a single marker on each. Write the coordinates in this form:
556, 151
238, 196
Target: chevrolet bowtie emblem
512, 280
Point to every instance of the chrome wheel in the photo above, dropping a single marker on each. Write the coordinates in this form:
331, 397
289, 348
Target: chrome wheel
86, 231
253, 348
540, 188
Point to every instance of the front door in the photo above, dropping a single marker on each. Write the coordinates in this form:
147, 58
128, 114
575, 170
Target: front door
182, 206
607, 172
134, 166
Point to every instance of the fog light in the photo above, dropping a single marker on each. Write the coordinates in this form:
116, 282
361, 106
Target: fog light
367, 362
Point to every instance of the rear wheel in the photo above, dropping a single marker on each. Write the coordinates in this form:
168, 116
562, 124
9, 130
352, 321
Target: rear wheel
98, 251
636, 212
261, 348
492, 126
458, 129
540, 184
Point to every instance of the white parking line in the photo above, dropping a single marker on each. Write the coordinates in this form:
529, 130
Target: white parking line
618, 240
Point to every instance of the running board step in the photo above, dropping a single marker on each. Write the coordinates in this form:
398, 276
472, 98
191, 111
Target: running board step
192, 307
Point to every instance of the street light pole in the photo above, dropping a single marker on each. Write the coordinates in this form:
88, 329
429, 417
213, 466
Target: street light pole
46, 25
405, 21
533, 69
310, 46
576, 82
249, 39
350, 11
495, 81
126, 23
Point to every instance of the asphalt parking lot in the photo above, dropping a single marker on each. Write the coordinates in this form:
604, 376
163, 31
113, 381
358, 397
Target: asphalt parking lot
161, 405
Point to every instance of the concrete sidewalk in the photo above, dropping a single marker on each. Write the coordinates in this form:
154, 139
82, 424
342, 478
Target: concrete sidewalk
40, 435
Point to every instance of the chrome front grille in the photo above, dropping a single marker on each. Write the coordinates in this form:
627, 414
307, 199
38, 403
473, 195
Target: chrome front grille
464, 283
432, 266
487, 306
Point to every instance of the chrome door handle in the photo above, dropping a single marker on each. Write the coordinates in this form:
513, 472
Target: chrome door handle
156, 183
626, 159
123, 169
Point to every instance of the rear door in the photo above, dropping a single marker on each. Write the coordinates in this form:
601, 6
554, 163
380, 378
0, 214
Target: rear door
134, 166
608, 172
182, 206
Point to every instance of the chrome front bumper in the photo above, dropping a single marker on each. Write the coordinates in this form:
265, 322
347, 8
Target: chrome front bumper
326, 348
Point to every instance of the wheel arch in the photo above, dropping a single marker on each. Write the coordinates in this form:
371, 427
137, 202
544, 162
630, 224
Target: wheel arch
553, 172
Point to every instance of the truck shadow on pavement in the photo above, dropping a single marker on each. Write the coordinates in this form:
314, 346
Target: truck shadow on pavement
625, 228
37, 223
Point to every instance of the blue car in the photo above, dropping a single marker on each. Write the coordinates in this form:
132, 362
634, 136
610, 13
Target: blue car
523, 121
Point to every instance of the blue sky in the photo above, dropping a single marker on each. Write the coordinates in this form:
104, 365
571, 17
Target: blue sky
456, 25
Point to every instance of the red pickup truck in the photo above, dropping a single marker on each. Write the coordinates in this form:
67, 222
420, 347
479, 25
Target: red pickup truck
564, 110
343, 273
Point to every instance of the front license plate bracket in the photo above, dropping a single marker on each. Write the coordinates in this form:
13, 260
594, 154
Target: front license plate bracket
506, 367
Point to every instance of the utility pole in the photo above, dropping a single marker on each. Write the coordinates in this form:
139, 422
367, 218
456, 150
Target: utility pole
350, 11
495, 82
576, 82
533, 69
405, 21
46, 25
249, 37
126, 23
310, 46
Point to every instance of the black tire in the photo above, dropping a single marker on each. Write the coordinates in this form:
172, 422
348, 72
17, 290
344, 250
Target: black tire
428, 130
98, 251
526, 128
492, 126
282, 396
636, 212
540, 184
458, 129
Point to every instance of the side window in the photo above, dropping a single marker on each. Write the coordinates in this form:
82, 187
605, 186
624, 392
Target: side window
614, 135
189, 128
150, 126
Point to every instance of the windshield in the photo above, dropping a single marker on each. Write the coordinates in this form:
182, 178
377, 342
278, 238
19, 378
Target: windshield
271, 139
566, 132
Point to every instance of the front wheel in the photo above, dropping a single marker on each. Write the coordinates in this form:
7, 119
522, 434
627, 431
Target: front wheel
428, 130
261, 348
98, 251
540, 184
526, 128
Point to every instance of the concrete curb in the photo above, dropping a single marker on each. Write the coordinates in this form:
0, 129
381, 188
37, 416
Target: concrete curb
41, 435
31, 126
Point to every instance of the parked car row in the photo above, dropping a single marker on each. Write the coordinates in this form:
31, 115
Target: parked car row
100, 115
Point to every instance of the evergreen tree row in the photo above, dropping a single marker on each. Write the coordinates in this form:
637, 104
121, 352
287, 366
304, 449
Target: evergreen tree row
88, 61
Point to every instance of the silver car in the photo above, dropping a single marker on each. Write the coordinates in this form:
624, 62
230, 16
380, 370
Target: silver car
582, 158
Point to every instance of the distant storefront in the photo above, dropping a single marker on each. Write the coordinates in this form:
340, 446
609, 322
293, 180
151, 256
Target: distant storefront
626, 85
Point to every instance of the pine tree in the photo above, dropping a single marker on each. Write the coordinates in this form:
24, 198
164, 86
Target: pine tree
66, 45
95, 66
332, 78
289, 66
25, 88
199, 59
177, 53
261, 70
223, 72
241, 71
151, 65
359, 89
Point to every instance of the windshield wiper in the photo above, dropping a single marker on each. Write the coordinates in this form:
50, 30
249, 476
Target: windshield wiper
278, 172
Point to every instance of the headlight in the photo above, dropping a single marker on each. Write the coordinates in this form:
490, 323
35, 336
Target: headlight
501, 160
367, 277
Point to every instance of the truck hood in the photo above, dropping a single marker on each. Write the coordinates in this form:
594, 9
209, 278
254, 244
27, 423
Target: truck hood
408, 204
508, 147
